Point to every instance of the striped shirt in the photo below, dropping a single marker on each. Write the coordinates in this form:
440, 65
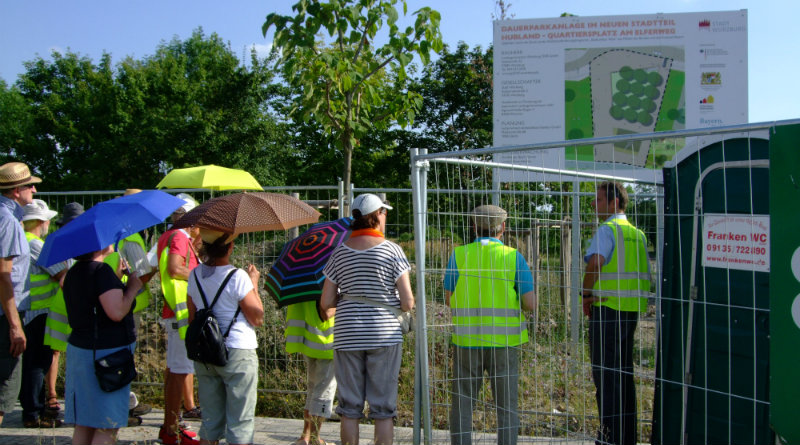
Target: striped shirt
370, 273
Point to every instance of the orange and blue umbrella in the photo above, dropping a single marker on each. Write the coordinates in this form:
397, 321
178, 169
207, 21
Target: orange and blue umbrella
296, 276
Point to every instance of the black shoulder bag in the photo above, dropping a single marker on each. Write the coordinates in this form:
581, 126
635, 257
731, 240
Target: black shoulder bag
205, 342
116, 370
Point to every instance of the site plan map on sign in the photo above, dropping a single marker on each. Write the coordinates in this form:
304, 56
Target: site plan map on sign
566, 79
616, 91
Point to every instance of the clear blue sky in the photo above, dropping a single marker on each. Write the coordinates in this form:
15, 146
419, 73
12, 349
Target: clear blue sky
35, 27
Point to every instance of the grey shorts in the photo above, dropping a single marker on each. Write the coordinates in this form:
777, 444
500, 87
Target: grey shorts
177, 360
321, 383
370, 375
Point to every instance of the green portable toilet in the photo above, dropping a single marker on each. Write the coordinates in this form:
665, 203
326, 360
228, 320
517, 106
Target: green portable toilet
712, 369
784, 283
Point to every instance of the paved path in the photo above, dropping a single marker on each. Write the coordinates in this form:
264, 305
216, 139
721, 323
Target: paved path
269, 431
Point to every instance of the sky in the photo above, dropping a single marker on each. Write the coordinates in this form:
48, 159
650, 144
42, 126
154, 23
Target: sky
34, 28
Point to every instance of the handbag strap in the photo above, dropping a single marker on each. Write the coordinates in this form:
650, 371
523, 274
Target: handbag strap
94, 311
370, 302
216, 297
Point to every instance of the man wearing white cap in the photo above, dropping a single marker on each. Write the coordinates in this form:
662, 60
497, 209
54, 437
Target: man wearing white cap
17, 187
176, 259
44, 286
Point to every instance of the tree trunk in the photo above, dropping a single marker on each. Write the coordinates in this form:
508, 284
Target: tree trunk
346, 171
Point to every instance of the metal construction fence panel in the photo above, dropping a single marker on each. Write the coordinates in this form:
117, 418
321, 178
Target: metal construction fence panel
282, 380
700, 348
700, 362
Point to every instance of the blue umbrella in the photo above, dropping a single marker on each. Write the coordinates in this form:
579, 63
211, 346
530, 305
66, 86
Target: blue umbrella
107, 223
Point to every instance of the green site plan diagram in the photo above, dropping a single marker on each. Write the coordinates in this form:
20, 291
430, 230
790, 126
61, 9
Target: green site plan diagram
616, 91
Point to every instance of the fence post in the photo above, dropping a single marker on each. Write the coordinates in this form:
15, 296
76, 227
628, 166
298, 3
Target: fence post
340, 199
533, 252
422, 410
572, 292
566, 262
294, 232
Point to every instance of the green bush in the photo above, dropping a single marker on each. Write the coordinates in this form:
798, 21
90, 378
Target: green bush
626, 72
631, 115
634, 102
654, 78
651, 92
645, 118
575, 133
637, 88
619, 99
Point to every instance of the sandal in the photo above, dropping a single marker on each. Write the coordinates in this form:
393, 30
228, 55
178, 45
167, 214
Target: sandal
52, 404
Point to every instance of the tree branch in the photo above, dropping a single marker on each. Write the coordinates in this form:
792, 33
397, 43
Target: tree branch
328, 113
371, 73
362, 42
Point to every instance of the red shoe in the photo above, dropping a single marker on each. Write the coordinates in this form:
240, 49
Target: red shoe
182, 438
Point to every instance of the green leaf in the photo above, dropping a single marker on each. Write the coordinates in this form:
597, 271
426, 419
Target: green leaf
391, 15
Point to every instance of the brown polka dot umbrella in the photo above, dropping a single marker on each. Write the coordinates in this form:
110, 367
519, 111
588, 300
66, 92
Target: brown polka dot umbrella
250, 212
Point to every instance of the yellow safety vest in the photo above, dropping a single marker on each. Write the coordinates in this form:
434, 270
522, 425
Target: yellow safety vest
57, 330
143, 297
306, 333
174, 290
486, 309
625, 278
43, 288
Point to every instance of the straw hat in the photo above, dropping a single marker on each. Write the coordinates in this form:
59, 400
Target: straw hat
15, 174
210, 235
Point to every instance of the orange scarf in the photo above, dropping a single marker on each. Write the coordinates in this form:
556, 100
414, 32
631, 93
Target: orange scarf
367, 232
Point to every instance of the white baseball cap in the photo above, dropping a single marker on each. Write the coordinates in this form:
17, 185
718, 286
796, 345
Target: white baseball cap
189, 202
368, 203
38, 209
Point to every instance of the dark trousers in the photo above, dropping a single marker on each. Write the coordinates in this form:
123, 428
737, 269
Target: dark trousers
35, 364
611, 346
502, 368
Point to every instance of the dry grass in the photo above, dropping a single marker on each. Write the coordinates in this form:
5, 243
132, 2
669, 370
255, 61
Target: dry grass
556, 394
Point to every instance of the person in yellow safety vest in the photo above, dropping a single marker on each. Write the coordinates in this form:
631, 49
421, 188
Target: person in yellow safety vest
44, 287
176, 259
487, 286
308, 335
132, 250
57, 329
615, 290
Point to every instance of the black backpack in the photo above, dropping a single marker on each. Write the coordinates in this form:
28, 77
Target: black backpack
205, 342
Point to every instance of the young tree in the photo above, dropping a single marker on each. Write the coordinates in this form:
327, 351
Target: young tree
457, 92
346, 82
